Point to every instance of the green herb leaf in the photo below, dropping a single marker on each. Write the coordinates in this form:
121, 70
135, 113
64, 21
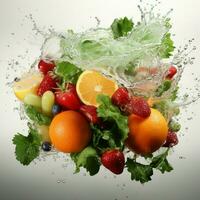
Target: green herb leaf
110, 113
27, 147
120, 27
67, 72
88, 159
165, 86
160, 162
139, 172
36, 116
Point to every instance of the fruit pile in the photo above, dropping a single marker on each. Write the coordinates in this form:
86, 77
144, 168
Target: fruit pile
95, 120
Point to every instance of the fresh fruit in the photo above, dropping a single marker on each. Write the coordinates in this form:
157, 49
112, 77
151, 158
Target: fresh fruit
48, 100
68, 98
171, 72
172, 139
43, 130
147, 135
139, 107
121, 97
33, 100
27, 85
46, 146
48, 83
45, 66
69, 132
90, 112
114, 161
91, 83
56, 109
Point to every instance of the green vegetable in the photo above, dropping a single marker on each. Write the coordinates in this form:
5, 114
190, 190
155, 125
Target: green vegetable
174, 126
161, 163
110, 113
27, 147
120, 27
67, 72
36, 116
165, 86
88, 158
139, 172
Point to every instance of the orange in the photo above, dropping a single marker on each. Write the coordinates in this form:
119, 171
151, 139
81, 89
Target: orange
92, 83
69, 132
147, 135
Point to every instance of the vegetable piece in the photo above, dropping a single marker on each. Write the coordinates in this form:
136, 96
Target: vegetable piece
121, 27
67, 72
165, 86
36, 116
48, 100
33, 100
88, 159
139, 172
45, 66
27, 147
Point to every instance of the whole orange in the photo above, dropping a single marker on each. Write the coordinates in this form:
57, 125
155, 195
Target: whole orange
147, 135
69, 132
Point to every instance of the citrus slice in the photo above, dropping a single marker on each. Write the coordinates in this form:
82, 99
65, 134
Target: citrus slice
91, 83
28, 84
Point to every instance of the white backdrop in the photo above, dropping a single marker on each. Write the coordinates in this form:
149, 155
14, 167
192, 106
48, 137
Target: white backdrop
49, 180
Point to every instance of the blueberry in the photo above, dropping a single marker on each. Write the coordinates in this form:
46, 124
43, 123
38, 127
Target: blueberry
46, 146
56, 109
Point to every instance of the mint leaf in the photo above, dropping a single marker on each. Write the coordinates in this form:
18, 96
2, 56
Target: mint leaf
36, 116
139, 172
67, 72
160, 162
121, 27
88, 159
110, 113
165, 86
27, 147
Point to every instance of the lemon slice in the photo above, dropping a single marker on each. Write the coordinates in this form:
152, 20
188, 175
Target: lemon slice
28, 84
91, 83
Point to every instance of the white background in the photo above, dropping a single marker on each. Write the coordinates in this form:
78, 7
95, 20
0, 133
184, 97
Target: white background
48, 180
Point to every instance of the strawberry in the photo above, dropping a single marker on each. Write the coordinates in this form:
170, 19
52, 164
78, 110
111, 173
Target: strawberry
172, 139
114, 161
45, 66
171, 72
48, 83
138, 106
68, 98
90, 112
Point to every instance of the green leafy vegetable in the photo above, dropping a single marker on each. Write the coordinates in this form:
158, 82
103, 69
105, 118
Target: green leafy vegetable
161, 163
120, 27
36, 116
27, 147
165, 86
88, 158
110, 113
139, 172
68, 72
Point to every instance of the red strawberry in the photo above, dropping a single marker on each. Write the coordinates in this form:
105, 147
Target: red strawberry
171, 72
90, 112
68, 98
172, 140
45, 66
138, 106
48, 83
114, 161
121, 97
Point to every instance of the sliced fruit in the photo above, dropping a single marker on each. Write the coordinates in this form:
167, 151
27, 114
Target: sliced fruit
92, 83
27, 85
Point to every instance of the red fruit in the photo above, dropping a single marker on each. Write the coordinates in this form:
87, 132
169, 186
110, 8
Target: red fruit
171, 72
90, 112
121, 97
114, 161
139, 107
46, 66
48, 83
68, 98
172, 140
